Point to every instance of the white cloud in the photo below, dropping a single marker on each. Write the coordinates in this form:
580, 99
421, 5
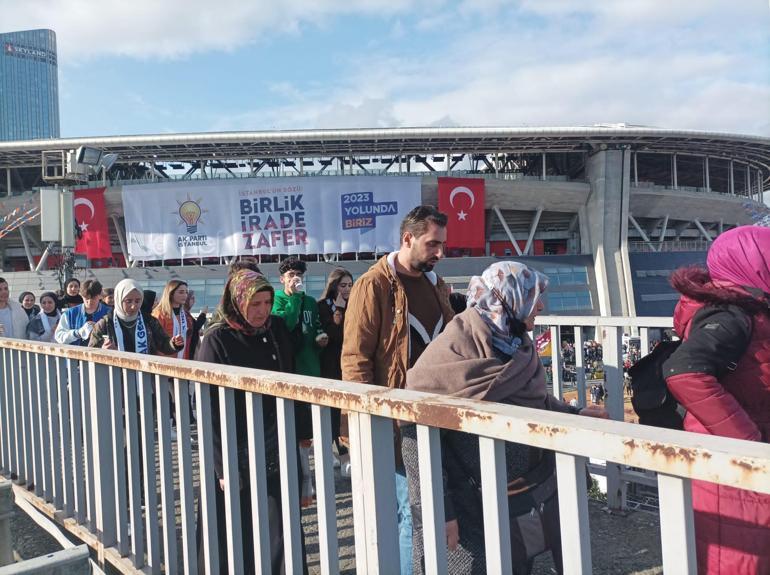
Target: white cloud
681, 69
173, 28
699, 64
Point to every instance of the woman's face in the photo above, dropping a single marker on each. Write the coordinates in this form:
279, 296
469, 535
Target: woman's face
48, 304
180, 296
259, 308
530, 321
73, 288
344, 287
132, 302
28, 301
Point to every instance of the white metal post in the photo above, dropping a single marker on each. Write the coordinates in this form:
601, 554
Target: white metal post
612, 357
497, 528
556, 362
573, 513
432, 499
102, 453
374, 492
677, 524
580, 370
324, 474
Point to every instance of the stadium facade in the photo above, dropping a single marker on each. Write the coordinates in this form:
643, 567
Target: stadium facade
29, 85
606, 211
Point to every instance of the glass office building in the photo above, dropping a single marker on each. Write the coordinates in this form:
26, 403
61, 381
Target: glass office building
29, 86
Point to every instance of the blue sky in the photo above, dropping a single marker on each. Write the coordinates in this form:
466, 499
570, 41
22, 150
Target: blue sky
146, 66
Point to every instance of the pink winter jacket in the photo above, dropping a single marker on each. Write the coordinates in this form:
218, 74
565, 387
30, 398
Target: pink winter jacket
721, 375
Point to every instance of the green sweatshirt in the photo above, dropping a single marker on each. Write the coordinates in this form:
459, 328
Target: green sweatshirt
296, 308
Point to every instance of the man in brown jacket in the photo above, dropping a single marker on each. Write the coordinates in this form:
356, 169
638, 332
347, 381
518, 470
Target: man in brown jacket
395, 310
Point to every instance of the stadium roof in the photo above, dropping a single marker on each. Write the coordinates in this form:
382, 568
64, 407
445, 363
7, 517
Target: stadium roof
389, 141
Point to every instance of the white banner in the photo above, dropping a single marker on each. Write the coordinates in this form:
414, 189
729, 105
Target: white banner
302, 215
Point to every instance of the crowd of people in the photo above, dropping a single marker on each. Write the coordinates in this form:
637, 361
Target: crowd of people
397, 326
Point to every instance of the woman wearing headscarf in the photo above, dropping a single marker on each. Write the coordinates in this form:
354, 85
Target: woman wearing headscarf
485, 353
27, 301
721, 376
128, 329
245, 334
43, 325
173, 316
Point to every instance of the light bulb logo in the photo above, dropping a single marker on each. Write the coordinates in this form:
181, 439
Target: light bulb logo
190, 212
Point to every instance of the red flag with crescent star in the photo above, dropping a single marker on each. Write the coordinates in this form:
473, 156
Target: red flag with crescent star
91, 220
462, 200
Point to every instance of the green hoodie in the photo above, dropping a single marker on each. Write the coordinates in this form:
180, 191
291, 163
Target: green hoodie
289, 307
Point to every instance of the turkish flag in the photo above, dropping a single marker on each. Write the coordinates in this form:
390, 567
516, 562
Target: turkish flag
462, 200
91, 220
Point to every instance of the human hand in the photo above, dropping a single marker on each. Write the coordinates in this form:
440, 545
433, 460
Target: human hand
322, 340
108, 343
178, 341
340, 301
452, 534
337, 317
595, 411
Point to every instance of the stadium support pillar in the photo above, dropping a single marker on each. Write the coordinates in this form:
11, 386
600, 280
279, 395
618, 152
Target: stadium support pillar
642, 233
27, 249
674, 170
8, 182
636, 169
508, 231
532, 231
121, 238
702, 230
607, 212
542, 176
706, 178
663, 228
732, 179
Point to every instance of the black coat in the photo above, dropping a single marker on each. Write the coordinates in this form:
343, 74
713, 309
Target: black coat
271, 351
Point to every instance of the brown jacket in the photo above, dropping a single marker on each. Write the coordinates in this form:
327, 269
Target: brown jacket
375, 349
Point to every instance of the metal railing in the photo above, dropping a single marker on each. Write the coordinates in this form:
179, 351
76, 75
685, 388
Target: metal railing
66, 432
669, 246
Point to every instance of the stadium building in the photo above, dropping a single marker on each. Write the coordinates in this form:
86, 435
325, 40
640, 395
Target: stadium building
606, 211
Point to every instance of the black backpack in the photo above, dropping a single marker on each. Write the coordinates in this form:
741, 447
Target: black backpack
651, 399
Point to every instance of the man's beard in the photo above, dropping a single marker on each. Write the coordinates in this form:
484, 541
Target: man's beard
426, 266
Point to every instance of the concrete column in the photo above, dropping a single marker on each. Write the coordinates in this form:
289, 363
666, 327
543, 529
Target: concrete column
732, 179
542, 177
674, 174
707, 180
606, 212
748, 180
636, 174
8, 182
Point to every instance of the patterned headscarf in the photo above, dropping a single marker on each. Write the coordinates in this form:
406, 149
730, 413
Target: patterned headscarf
741, 256
506, 289
240, 288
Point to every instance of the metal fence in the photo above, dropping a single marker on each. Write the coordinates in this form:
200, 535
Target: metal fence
64, 434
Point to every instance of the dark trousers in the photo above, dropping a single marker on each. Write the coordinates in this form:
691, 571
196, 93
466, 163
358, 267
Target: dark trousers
275, 526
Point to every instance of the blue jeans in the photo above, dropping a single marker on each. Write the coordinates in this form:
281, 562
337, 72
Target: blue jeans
404, 522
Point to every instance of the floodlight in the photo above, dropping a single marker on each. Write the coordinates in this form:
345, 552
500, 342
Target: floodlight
107, 161
88, 156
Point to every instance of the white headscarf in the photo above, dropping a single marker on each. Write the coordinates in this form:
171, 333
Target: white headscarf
124, 288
